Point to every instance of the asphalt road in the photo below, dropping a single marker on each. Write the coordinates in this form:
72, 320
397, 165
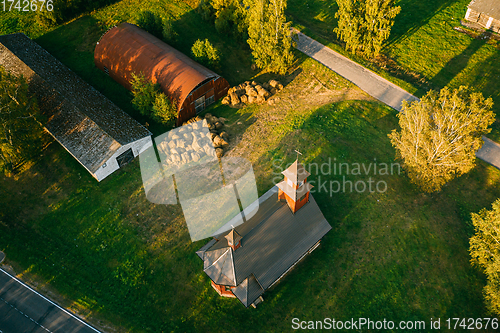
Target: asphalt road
23, 310
373, 84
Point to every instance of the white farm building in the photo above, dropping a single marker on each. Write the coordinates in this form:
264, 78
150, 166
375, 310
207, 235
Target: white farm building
98, 134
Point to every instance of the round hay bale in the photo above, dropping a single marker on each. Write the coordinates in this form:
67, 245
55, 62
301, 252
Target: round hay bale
247, 83
208, 115
180, 143
254, 83
195, 157
195, 126
259, 99
279, 87
235, 100
263, 92
204, 123
218, 125
213, 130
273, 91
253, 67
224, 136
196, 145
251, 99
270, 101
273, 83
226, 100
258, 87
171, 144
252, 92
220, 142
212, 136
244, 98
266, 85
197, 118
219, 152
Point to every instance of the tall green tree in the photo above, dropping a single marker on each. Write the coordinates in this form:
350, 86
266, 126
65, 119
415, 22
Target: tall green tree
440, 135
21, 132
364, 25
269, 35
485, 252
229, 16
150, 101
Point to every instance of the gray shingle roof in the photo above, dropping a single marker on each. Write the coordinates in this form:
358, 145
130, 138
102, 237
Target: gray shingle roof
490, 7
83, 120
273, 240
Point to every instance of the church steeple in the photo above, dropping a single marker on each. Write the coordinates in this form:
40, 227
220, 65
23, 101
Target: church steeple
295, 188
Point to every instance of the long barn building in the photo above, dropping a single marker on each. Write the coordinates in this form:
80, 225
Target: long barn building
127, 49
97, 133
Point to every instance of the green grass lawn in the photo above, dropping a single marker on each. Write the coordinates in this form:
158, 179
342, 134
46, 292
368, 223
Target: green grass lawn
423, 42
399, 255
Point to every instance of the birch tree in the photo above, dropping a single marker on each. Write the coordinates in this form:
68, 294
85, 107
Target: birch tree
485, 252
269, 35
364, 25
440, 135
20, 128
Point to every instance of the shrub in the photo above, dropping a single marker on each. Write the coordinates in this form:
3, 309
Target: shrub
205, 53
164, 110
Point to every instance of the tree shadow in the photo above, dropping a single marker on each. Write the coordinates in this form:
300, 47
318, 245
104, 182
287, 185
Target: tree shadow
457, 64
414, 15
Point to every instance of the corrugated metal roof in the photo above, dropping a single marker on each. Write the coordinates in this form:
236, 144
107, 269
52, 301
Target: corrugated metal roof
80, 118
490, 7
273, 240
127, 48
248, 291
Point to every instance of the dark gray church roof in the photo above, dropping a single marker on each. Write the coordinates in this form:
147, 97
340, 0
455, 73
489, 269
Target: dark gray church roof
490, 7
273, 240
80, 118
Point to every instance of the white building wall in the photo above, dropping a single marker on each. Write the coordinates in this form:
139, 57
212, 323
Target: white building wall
111, 165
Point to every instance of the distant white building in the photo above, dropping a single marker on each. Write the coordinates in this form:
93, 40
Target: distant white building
484, 12
98, 134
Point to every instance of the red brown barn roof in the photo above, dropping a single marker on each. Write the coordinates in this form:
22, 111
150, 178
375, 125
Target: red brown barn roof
127, 48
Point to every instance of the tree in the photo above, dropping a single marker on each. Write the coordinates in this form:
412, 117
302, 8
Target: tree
440, 135
150, 101
21, 132
364, 25
270, 38
144, 93
229, 16
485, 252
150, 22
205, 53
164, 110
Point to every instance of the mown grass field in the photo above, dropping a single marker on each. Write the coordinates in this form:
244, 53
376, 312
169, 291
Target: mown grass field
129, 265
429, 52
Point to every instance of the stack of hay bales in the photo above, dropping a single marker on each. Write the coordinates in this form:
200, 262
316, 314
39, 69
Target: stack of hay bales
192, 120
188, 143
194, 142
251, 92
218, 135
